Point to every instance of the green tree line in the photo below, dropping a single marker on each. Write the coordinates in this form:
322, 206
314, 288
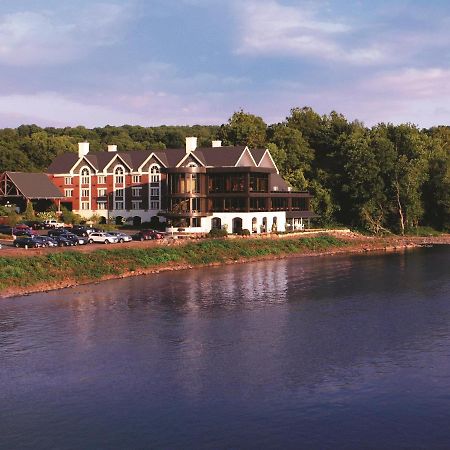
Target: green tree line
384, 178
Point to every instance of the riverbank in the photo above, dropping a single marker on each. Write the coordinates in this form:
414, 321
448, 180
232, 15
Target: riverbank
37, 271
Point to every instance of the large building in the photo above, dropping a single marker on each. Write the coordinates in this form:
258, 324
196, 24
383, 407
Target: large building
191, 188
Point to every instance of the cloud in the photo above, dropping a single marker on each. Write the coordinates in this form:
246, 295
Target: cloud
413, 83
51, 108
269, 28
56, 37
146, 108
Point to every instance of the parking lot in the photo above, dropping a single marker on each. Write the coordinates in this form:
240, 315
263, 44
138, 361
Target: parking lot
8, 248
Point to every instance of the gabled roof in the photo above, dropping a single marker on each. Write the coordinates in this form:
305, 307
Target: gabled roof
257, 154
220, 156
171, 157
34, 185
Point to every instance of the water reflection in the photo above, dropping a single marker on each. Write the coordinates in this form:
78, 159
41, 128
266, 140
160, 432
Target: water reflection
308, 347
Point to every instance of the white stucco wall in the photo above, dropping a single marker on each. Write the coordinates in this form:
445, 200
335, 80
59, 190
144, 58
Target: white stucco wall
227, 221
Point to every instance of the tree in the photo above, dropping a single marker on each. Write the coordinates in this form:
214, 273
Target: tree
29, 212
244, 129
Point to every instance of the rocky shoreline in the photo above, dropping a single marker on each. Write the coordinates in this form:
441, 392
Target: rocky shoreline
352, 243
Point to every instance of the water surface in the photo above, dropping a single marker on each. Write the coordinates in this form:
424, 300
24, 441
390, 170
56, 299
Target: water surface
329, 352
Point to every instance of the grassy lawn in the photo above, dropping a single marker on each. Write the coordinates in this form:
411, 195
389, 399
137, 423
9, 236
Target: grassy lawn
27, 271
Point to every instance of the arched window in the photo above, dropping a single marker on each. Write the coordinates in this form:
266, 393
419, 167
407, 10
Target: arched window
118, 175
254, 225
85, 174
155, 173
192, 164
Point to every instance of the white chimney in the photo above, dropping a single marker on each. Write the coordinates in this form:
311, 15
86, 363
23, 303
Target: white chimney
191, 144
112, 148
83, 149
217, 143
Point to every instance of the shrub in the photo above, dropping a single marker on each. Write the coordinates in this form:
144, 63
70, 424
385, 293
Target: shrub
218, 233
244, 232
29, 212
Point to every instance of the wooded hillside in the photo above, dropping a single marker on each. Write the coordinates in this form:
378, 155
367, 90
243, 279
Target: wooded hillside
381, 178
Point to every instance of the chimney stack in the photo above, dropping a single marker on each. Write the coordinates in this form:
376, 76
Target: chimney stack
83, 149
112, 148
217, 143
191, 144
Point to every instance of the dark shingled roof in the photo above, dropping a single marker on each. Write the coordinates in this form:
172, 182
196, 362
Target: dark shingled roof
257, 154
63, 163
220, 156
171, 157
34, 185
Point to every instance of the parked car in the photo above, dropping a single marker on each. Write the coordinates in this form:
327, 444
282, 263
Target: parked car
104, 238
6, 229
62, 241
35, 224
23, 227
145, 235
57, 232
53, 223
23, 232
46, 241
81, 230
121, 237
27, 242
75, 239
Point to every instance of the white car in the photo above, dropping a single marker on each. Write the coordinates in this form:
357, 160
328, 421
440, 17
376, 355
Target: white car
53, 223
121, 237
102, 238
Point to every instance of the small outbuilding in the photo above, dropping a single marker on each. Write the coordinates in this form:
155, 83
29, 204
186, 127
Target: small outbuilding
19, 188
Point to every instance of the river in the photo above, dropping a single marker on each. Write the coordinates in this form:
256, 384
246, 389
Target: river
346, 351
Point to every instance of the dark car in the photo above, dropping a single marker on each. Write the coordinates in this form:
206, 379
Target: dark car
75, 239
46, 241
35, 224
62, 241
57, 232
145, 235
27, 242
80, 230
5, 229
28, 233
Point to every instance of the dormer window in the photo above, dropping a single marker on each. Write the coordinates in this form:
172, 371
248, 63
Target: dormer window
85, 176
155, 174
118, 175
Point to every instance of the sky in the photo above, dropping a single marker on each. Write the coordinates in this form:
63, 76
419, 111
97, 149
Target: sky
186, 62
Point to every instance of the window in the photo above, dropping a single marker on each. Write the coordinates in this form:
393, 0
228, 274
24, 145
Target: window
118, 205
85, 193
67, 180
154, 174
154, 192
118, 175
101, 179
85, 176
68, 192
136, 191
101, 192
192, 164
101, 205
195, 204
84, 206
119, 193
136, 179
196, 222
154, 205
136, 204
